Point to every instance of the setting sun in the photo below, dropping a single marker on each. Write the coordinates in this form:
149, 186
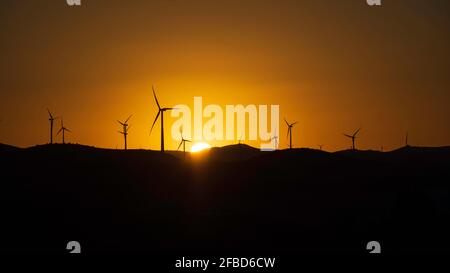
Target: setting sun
200, 146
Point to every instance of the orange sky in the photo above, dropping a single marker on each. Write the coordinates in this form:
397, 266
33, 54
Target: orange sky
331, 65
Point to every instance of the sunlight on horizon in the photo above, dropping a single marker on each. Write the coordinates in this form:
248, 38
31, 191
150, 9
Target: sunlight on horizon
200, 146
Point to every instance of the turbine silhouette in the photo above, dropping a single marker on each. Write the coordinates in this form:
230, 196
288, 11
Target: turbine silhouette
320, 146
240, 140
51, 119
63, 130
353, 137
275, 138
276, 141
125, 129
160, 112
289, 132
183, 141
406, 140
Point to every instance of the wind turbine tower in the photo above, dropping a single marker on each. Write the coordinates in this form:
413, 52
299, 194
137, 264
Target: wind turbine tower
125, 129
63, 130
353, 137
160, 112
183, 141
51, 119
289, 132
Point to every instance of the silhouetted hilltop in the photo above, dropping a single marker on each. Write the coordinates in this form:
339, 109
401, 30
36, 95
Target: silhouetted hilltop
363, 153
304, 152
421, 151
239, 152
237, 198
406, 153
5, 147
235, 152
64, 147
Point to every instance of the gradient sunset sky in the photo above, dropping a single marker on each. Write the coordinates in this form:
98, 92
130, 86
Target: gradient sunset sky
333, 66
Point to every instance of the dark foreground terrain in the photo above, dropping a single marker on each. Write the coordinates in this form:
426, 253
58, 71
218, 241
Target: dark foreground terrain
233, 198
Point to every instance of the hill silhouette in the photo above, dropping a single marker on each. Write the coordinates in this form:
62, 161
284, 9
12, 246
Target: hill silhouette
236, 152
4, 147
237, 198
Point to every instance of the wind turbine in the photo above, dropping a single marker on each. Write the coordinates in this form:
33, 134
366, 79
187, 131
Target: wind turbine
63, 130
240, 140
275, 137
353, 137
183, 141
160, 111
51, 119
406, 140
276, 141
320, 146
289, 132
125, 129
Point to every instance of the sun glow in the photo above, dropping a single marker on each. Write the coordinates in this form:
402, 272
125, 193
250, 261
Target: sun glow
200, 146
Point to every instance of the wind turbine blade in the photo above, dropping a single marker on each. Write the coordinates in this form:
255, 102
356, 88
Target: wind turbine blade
50, 114
180, 145
68, 130
187, 140
59, 131
154, 94
120, 122
289, 130
120, 132
287, 123
128, 119
157, 116
348, 136
357, 131
294, 123
169, 108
